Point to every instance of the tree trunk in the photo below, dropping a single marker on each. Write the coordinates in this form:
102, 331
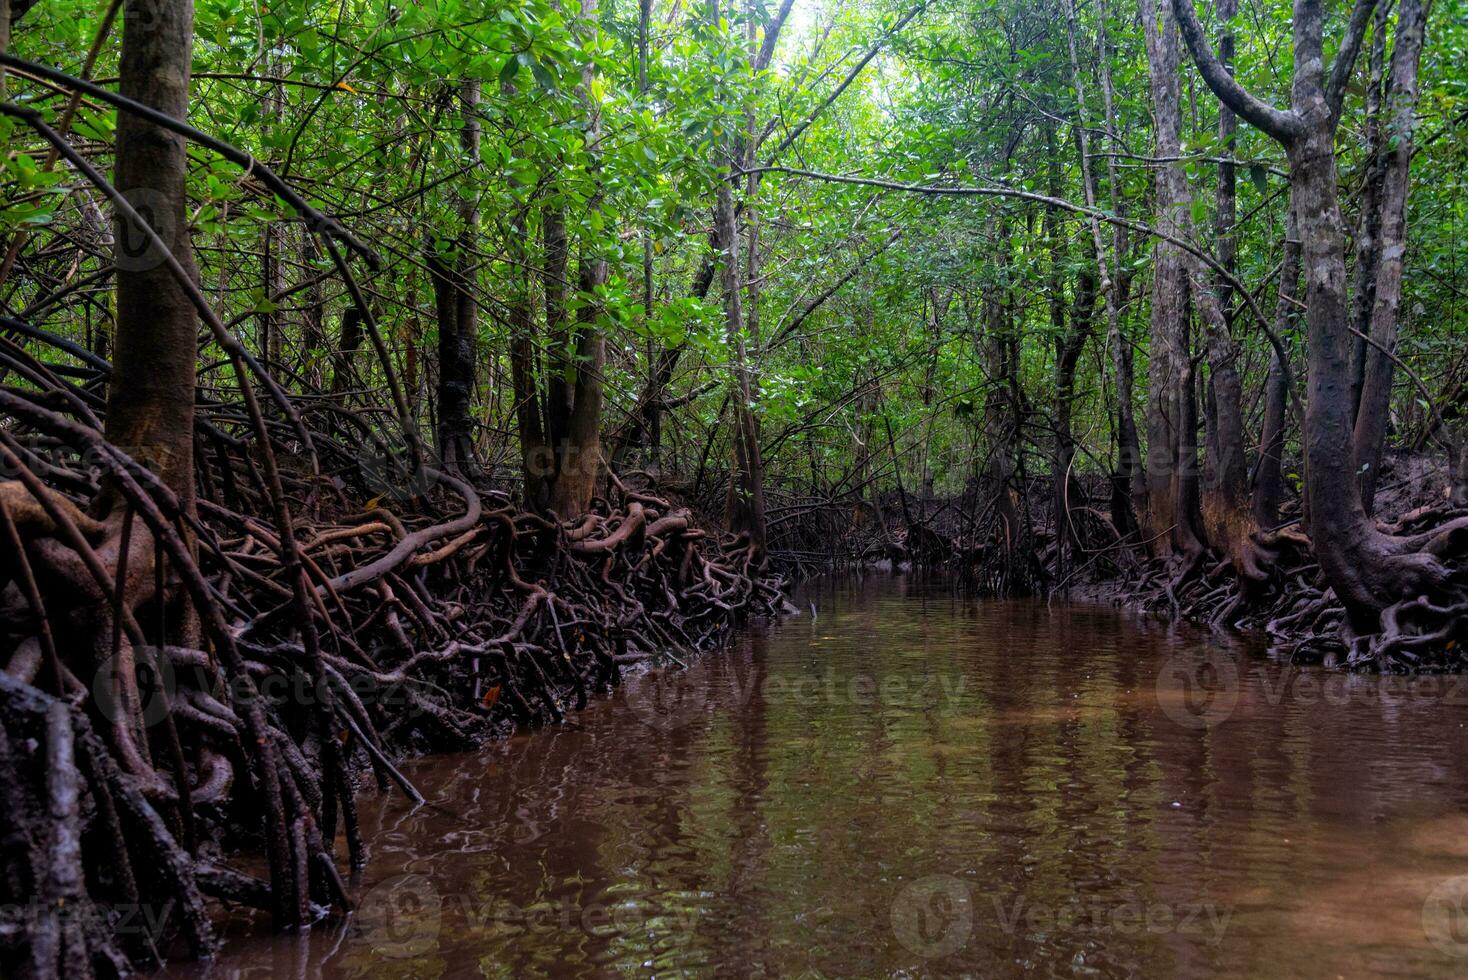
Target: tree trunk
557, 334
458, 324
1129, 488
1171, 451
1401, 106
1228, 517
1269, 483
999, 423
745, 504
536, 456
274, 242
580, 463
150, 405
349, 341
1368, 223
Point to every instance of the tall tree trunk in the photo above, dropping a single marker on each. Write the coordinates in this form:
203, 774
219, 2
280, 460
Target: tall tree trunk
1228, 516
1401, 109
274, 243
556, 285
1368, 222
1129, 490
537, 456
1070, 334
999, 422
745, 504
349, 341
313, 316
580, 464
1269, 482
458, 324
1171, 451
150, 405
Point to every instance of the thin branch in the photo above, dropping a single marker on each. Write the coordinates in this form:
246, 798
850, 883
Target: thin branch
1062, 204
323, 223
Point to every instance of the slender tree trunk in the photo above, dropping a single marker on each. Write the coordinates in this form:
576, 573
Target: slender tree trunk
1070, 335
1129, 488
1171, 451
313, 317
647, 419
458, 324
349, 341
537, 459
1228, 516
1401, 107
1068, 349
1269, 483
999, 422
1368, 223
274, 242
1458, 469
150, 405
745, 505
580, 464
556, 285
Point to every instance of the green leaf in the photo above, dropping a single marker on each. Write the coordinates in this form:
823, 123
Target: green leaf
1260, 177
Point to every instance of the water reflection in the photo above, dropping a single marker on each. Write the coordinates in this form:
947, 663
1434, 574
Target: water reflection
911, 784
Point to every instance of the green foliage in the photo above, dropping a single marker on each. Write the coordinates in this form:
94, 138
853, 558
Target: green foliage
358, 104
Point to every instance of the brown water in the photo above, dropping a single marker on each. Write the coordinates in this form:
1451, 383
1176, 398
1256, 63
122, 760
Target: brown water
916, 785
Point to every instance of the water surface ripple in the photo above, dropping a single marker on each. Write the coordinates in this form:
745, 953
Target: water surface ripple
912, 784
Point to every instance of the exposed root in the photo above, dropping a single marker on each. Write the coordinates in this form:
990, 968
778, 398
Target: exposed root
173, 681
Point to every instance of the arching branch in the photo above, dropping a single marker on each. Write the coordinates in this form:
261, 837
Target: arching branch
1280, 124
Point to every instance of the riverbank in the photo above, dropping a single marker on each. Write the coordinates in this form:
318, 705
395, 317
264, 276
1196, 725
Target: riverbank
1282, 594
441, 621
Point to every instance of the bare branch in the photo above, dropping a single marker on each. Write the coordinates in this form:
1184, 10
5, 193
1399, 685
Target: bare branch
851, 76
